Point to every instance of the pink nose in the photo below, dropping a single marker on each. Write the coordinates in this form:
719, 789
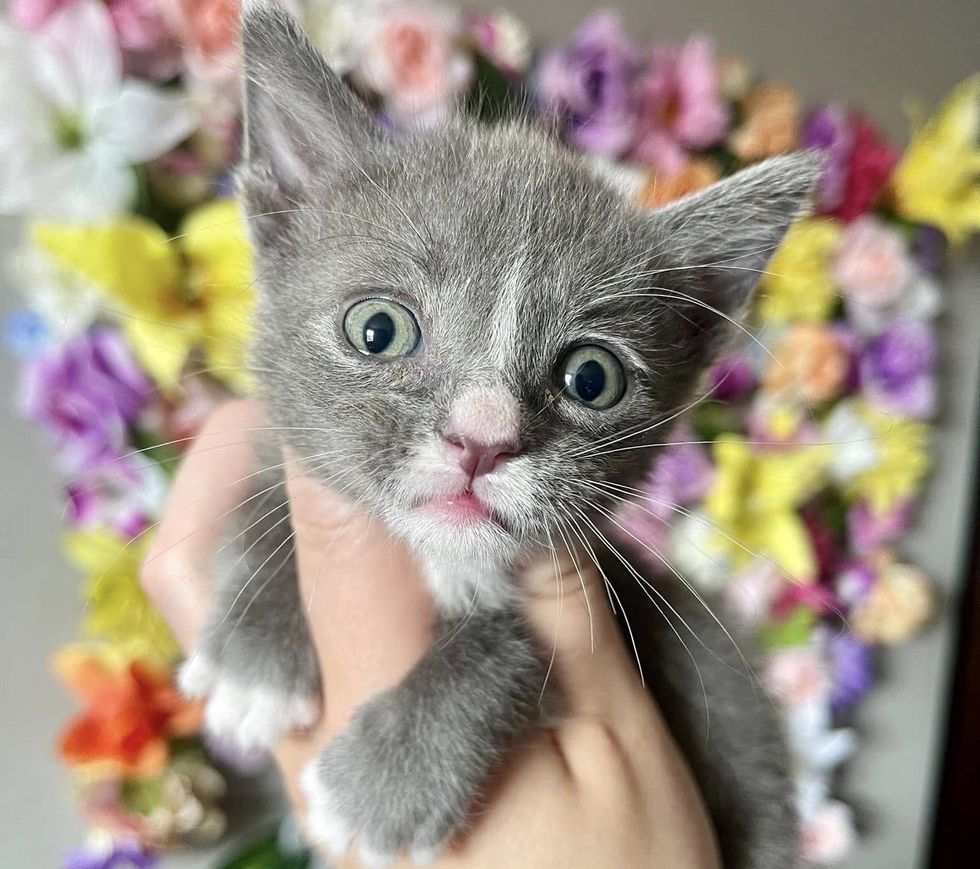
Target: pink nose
476, 458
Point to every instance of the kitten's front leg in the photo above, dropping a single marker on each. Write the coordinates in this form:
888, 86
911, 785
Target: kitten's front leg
408, 768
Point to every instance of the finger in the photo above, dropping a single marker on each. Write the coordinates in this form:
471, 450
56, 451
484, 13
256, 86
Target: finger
368, 608
569, 611
211, 482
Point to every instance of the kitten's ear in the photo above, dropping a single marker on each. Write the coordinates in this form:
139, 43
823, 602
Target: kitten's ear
303, 125
717, 242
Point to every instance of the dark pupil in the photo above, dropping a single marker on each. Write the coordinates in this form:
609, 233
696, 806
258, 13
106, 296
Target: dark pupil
590, 380
379, 332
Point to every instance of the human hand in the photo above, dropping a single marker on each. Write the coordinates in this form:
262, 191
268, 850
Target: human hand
603, 787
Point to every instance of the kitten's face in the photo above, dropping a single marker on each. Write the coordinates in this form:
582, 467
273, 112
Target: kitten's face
470, 332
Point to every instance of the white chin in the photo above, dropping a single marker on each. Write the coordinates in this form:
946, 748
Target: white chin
483, 542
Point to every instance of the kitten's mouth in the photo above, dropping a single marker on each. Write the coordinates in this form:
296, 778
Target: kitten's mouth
463, 508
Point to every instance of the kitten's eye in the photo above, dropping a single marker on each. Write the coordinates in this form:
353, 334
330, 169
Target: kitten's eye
593, 376
382, 328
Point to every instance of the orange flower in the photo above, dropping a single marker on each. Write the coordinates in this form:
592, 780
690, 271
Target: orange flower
130, 716
810, 360
695, 176
771, 125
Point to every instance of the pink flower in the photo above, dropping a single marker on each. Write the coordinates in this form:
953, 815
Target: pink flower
828, 836
208, 31
681, 107
750, 595
869, 531
797, 676
872, 264
412, 57
31, 14
148, 43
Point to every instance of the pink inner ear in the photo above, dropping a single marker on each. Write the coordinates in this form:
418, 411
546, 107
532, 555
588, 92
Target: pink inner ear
487, 416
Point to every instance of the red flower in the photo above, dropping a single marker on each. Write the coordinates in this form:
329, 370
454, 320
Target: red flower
131, 714
868, 168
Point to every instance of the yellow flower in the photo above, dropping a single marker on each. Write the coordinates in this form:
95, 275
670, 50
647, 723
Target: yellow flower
798, 285
176, 296
754, 501
116, 609
901, 459
938, 178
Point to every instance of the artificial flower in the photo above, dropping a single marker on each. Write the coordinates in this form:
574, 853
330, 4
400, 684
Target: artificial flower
208, 32
897, 370
121, 494
751, 592
770, 123
797, 676
797, 285
754, 500
412, 56
854, 581
680, 106
166, 810
828, 836
828, 130
66, 304
131, 714
194, 292
732, 378
780, 422
502, 39
810, 361
868, 530
86, 394
104, 851
876, 457
851, 672
335, 28
869, 166
117, 610
878, 278
590, 85
937, 181
665, 187
149, 45
897, 606
73, 125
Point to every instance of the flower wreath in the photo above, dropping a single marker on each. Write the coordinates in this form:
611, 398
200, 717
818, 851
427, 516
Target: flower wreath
785, 494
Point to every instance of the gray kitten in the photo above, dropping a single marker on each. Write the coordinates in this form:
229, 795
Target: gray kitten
476, 336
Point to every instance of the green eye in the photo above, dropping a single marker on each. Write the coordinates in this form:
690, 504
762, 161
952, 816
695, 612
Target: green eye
592, 376
381, 328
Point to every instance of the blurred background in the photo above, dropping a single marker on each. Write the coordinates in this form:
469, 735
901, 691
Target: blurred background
875, 52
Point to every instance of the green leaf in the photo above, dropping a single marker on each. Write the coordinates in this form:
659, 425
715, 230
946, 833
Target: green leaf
794, 630
267, 854
493, 95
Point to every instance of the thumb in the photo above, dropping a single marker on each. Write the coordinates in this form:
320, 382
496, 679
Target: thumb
369, 612
569, 611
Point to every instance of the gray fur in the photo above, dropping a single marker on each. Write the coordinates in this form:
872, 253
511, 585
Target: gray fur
508, 248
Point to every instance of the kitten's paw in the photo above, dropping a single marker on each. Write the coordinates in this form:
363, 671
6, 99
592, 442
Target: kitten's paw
378, 788
249, 716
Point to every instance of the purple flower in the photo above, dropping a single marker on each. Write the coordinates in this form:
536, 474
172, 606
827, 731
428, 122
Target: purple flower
589, 84
122, 854
929, 246
731, 378
854, 582
123, 493
829, 130
851, 671
86, 393
683, 474
868, 531
897, 370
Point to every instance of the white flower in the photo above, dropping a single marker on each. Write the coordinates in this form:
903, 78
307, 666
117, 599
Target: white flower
336, 27
72, 125
65, 303
696, 554
853, 442
921, 300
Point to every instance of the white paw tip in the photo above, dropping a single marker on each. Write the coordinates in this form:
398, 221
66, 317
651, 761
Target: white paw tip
196, 677
375, 859
426, 856
323, 824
